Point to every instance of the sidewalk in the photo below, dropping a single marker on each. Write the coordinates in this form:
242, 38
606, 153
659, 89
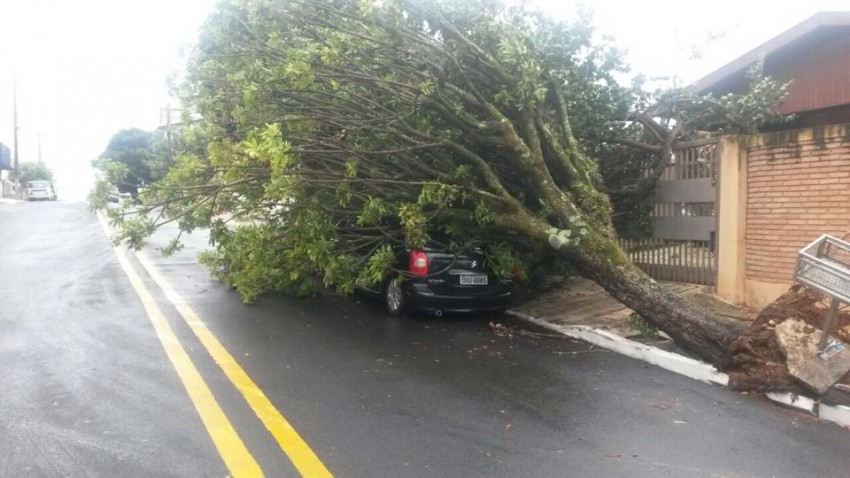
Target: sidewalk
580, 309
579, 301
9, 201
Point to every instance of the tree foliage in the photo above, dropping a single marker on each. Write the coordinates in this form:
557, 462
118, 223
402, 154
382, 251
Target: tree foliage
662, 121
135, 158
336, 132
34, 171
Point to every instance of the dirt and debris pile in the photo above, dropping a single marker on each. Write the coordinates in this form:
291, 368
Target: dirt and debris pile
757, 361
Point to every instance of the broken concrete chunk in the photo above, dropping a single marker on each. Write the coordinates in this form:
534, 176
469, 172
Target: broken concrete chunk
799, 344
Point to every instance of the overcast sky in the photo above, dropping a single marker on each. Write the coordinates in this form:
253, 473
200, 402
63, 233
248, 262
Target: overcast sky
88, 68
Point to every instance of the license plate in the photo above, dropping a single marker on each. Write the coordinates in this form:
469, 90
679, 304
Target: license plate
473, 279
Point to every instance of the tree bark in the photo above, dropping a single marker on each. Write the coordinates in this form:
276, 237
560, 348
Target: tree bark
599, 258
690, 325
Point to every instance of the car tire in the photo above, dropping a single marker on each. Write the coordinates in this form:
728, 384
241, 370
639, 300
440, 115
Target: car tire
394, 297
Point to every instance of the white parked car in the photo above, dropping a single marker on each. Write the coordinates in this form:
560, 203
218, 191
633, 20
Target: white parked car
115, 196
40, 191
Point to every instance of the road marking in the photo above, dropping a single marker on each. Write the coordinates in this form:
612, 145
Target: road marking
236, 456
304, 459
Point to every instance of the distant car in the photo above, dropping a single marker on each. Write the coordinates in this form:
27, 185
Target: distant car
40, 191
437, 281
115, 196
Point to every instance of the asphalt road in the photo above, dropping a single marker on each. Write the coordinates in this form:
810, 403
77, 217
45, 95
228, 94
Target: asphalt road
91, 385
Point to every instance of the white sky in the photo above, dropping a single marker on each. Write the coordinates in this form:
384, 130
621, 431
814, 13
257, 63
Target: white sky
88, 68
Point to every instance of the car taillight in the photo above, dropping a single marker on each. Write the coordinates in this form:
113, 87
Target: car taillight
418, 263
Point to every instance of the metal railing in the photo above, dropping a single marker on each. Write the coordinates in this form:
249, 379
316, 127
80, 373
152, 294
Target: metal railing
824, 265
678, 261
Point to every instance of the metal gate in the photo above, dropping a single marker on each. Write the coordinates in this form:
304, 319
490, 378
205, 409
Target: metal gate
684, 220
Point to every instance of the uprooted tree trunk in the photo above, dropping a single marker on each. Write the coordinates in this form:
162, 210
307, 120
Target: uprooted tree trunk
599, 257
699, 330
757, 362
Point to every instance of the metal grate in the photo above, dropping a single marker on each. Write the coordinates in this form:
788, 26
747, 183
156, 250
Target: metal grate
824, 265
678, 261
694, 162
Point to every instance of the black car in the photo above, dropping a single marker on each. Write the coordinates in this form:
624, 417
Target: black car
437, 281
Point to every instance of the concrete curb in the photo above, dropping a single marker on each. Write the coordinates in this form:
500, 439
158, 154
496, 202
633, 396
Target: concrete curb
792, 400
10, 201
667, 360
838, 414
686, 366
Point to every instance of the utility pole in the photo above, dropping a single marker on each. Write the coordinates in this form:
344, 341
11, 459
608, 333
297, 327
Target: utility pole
39, 148
15, 164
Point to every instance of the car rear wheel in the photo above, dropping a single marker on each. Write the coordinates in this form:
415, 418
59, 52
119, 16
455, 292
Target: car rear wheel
394, 297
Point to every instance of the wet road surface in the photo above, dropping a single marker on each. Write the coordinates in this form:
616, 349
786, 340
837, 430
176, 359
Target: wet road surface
91, 388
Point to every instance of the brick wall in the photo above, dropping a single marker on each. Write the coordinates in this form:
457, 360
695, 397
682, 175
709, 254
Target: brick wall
798, 187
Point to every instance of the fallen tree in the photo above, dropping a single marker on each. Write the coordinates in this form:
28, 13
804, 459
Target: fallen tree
335, 131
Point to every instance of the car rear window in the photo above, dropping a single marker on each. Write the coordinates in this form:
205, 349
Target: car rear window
39, 184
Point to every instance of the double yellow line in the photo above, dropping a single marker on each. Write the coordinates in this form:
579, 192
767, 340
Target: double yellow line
233, 451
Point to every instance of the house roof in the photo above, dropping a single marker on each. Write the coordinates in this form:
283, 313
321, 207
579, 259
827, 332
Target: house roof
807, 28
